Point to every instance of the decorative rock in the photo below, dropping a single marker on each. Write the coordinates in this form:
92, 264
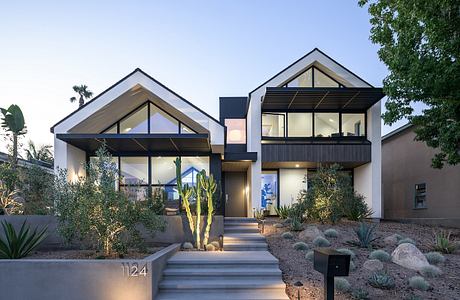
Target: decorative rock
392, 240
373, 265
310, 233
408, 256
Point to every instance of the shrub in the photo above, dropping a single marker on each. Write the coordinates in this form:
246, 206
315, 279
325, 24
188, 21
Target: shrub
352, 266
435, 258
430, 271
9, 201
187, 245
157, 202
259, 214
406, 241
347, 252
443, 243
366, 234
331, 233
310, 255
418, 283
287, 235
20, 244
216, 244
282, 211
300, 246
92, 209
341, 284
37, 190
381, 255
296, 224
355, 207
319, 241
278, 225
381, 280
360, 294
210, 247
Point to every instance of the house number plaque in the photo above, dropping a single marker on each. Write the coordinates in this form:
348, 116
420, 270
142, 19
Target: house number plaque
133, 269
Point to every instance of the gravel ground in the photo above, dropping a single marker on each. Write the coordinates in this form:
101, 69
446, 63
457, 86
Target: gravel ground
89, 254
296, 268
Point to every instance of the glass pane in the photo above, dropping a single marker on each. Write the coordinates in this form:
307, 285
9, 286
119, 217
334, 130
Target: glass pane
269, 190
185, 130
300, 124
327, 125
191, 165
236, 131
303, 80
322, 80
273, 124
135, 193
112, 129
353, 124
135, 122
163, 170
161, 122
134, 170
170, 196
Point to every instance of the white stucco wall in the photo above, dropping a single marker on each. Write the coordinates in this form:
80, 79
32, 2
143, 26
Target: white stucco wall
291, 182
69, 157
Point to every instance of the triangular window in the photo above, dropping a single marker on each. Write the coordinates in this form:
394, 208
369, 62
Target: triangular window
136, 122
161, 122
313, 78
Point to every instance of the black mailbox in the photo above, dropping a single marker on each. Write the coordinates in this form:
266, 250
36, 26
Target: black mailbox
330, 263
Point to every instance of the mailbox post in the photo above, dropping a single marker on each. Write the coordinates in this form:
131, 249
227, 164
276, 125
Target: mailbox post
330, 263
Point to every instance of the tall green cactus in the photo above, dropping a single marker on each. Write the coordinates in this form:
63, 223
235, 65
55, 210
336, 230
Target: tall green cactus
210, 186
185, 192
198, 196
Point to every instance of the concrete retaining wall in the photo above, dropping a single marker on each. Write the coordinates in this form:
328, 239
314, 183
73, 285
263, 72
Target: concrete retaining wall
38, 279
177, 230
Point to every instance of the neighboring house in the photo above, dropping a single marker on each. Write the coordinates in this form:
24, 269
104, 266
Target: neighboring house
314, 111
412, 189
28, 163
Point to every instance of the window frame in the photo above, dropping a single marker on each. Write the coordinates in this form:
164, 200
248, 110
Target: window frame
245, 131
313, 68
416, 195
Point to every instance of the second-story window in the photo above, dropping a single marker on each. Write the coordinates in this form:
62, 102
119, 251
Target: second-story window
273, 124
300, 124
236, 131
327, 125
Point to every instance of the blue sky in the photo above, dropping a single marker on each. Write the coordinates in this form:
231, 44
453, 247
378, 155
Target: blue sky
199, 49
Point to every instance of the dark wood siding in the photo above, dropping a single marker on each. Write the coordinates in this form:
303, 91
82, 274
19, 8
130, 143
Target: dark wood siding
316, 152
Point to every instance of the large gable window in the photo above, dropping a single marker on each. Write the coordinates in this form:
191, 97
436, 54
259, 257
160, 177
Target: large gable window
136, 122
161, 122
313, 78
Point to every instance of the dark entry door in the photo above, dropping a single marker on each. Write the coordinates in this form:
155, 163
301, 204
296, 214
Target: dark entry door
235, 194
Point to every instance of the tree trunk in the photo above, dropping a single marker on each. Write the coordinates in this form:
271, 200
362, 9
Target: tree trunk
81, 101
15, 150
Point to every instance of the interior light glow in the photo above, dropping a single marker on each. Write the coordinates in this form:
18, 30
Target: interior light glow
297, 165
128, 129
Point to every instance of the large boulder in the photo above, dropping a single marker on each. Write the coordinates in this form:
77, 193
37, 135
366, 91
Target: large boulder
310, 233
373, 265
408, 256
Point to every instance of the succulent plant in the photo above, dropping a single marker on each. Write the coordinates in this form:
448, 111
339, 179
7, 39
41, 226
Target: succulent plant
381, 280
406, 241
300, 246
331, 233
418, 283
310, 254
347, 252
187, 245
435, 258
430, 271
210, 247
319, 241
341, 284
287, 235
381, 255
360, 294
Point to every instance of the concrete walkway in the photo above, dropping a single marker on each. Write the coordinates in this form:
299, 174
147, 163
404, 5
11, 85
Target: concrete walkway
228, 274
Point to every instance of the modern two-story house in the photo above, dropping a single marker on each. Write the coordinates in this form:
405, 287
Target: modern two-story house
261, 149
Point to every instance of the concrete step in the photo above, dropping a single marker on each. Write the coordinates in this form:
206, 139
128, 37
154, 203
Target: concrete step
240, 229
245, 246
239, 220
217, 274
242, 237
241, 224
236, 294
221, 283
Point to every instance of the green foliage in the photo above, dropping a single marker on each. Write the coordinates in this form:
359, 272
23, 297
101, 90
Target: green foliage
92, 209
443, 242
381, 255
381, 280
282, 211
296, 224
366, 234
435, 258
9, 201
42, 153
83, 93
355, 207
406, 241
347, 252
14, 124
198, 192
259, 214
210, 247
9, 177
185, 193
360, 294
430, 271
319, 241
341, 284
418, 283
310, 255
209, 186
300, 246
37, 190
287, 235
352, 266
157, 202
331, 233
20, 244
420, 46
187, 245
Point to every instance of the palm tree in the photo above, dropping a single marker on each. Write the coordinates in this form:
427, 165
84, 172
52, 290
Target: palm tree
13, 122
43, 153
84, 93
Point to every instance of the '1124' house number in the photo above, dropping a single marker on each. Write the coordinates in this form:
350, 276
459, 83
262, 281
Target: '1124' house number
133, 269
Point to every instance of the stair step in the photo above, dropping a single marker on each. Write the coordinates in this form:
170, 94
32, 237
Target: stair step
240, 229
239, 271
241, 224
246, 247
236, 294
219, 283
239, 219
230, 237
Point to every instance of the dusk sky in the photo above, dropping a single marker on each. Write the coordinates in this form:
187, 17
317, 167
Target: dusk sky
199, 49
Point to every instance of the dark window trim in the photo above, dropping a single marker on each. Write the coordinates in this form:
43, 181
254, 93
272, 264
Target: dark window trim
277, 184
415, 197
313, 71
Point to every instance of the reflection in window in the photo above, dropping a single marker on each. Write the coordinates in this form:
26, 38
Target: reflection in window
134, 170
135, 192
135, 122
236, 131
273, 124
161, 122
322, 80
269, 190
353, 124
327, 125
420, 195
186, 130
191, 165
300, 125
303, 80
163, 170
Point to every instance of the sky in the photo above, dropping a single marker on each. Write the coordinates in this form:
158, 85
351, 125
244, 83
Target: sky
200, 49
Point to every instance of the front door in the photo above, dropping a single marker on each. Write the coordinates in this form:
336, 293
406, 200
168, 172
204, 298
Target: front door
235, 194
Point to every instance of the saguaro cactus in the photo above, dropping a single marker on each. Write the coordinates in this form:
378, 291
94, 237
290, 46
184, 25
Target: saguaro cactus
198, 196
185, 192
210, 186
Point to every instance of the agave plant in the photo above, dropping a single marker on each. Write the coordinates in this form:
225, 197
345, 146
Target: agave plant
20, 244
282, 211
443, 242
366, 234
